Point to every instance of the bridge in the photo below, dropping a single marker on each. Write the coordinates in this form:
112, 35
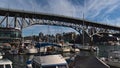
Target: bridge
43, 16
22, 19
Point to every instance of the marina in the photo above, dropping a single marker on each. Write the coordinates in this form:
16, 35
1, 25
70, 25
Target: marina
59, 34
49, 61
19, 61
5, 63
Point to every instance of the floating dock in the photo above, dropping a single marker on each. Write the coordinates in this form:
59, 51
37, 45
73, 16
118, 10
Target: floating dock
88, 62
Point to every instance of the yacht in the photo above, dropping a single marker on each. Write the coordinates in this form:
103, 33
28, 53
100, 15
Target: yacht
49, 61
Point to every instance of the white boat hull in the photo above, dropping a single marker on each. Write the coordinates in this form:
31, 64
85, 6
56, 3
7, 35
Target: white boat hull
66, 50
32, 50
1, 57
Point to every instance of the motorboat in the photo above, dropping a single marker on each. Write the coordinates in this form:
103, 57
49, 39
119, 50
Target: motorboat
49, 61
31, 49
66, 48
74, 48
88, 48
5, 63
47, 48
113, 59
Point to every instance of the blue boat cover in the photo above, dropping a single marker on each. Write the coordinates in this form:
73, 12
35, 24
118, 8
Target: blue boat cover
38, 45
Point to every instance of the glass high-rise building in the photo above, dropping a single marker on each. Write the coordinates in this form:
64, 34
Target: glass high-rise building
10, 35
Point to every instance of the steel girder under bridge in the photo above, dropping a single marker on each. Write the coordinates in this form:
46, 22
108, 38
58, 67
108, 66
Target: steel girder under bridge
22, 19
35, 15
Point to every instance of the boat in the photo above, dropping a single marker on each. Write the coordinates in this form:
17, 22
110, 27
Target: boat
113, 58
68, 48
4, 62
6, 47
117, 43
43, 48
31, 49
88, 48
74, 48
13, 50
48, 48
65, 48
1, 54
49, 61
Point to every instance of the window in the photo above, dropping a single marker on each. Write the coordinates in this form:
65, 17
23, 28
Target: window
59, 66
35, 65
62, 66
49, 67
8, 66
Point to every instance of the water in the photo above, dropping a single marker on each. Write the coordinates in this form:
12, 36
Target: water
19, 61
105, 49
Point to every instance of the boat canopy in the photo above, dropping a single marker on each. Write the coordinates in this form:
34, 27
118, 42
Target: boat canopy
38, 45
50, 60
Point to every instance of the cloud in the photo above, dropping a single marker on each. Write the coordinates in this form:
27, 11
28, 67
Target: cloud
114, 22
97, 7
60, 7
94, 10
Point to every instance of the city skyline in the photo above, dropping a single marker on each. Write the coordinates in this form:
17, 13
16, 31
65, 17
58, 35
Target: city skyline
102, 11
47, 29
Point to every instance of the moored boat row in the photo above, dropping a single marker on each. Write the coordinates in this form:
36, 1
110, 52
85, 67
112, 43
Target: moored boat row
113, 59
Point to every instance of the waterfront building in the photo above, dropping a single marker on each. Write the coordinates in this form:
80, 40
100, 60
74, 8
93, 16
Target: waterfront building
10, 35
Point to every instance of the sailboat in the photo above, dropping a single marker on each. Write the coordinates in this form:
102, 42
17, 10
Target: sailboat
86, 46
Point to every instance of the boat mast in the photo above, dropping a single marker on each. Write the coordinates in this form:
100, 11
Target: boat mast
83, 30
83, 23
48, 39
32, 39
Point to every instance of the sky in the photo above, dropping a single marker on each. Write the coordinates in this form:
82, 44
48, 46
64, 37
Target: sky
101, 11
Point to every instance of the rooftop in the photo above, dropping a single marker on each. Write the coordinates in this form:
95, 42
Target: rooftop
50, 60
